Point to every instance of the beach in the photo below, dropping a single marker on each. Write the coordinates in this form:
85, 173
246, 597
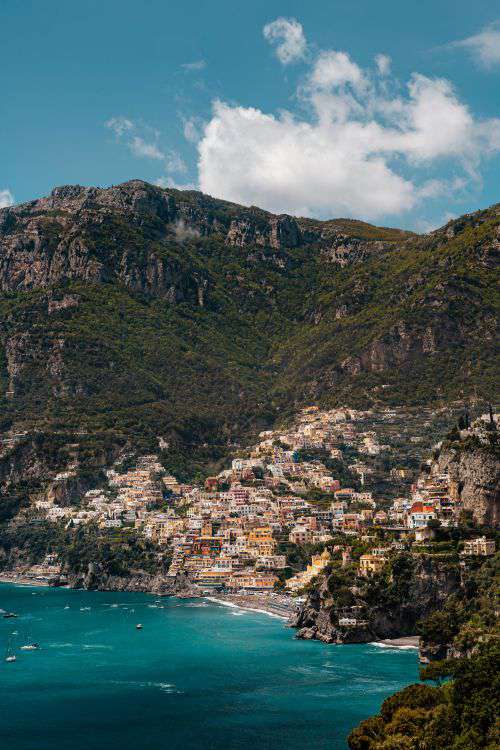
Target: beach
406, 642
276, 605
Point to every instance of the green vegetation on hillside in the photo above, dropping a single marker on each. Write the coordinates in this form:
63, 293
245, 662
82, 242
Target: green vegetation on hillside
243, 336
461, 711
459, 715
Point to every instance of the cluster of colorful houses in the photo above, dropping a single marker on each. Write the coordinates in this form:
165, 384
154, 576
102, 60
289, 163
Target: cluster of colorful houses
235, 531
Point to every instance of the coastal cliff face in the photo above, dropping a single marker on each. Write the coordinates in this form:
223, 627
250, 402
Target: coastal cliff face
382, 609
459, 644
97, 579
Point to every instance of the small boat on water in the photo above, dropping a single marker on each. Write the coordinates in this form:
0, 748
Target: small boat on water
30, 647
9, 653
6, 615
138, 626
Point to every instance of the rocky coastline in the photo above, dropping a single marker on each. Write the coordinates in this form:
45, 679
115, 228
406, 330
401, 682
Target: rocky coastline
420, 587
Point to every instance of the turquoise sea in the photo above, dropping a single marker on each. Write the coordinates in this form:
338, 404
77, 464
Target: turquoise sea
197, 676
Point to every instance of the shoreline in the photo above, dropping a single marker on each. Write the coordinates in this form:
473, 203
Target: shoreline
260, 603
403, 643
25, 581
246, 606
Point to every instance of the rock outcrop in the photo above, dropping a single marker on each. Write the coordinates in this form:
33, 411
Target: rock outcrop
472, 460
420, 587
98, 580
77, 233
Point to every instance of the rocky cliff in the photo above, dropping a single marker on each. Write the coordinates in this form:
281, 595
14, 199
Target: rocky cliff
97, 579
382, 608
471, 457
92, 235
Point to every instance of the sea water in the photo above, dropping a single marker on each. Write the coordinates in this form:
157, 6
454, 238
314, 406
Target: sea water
197, 676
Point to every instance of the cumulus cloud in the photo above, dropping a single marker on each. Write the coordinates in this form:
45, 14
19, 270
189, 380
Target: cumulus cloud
364, 145
6, 198
287, 36
334, 69
484, 47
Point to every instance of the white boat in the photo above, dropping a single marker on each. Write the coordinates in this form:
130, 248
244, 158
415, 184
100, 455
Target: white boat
9, 654
30, 647
138, 626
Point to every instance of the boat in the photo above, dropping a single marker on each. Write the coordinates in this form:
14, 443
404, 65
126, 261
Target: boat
138, 626
30, 647
9, 653
6, 615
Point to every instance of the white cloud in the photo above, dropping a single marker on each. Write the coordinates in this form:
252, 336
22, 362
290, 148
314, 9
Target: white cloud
287, 35
174, 163
195, 65
435, 188
334, 69
119, 125
140, 147
142, 141
383, 63
358, 149
484, 47
169, 182
192, 129
288, 165
6, 198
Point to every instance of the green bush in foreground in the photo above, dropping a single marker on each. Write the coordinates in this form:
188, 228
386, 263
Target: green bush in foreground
462, 714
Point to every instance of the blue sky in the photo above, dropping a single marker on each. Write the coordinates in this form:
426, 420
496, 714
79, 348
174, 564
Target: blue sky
386, 111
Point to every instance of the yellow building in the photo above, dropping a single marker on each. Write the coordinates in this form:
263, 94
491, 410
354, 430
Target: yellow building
369, 564
317, 564
260, 534
479, 546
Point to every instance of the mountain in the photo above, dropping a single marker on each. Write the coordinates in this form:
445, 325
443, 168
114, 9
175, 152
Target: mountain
135, 315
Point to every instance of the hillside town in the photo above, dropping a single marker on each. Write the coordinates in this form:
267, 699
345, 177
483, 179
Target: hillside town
239, 531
